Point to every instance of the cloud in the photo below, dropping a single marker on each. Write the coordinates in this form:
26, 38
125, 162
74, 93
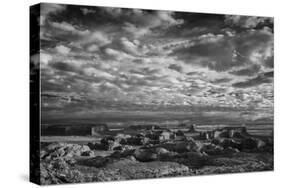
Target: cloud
63, 66
69, 28
91, 71
79, 38
62, 49
248, 71
92, 41
86, 11
128, 59
222, 53
260, 79
140, 23
113, 11
221, 80
246, 21
116, 54
48, 8
135, 31
128, 46
45, 58
175, 67
97, 38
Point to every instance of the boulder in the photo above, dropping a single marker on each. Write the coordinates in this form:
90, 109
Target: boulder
91, 145
88, 153
107, 140
118, 148
260, 144
179, 147
250, 143
121, 136
225, 143
52, 146
85, 148
137, 141
161, 150
240, 132
103, 147
221, 134
212, 149
193, 146
123, 141
145, 155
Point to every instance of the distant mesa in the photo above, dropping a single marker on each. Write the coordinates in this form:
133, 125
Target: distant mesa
140, 127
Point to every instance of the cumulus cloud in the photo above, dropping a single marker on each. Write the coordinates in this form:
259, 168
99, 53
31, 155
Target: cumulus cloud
140, 23
135, 31
116, 54
62, 49
67, 27
91, 71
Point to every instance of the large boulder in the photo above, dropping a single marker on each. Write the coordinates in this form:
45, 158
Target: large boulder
145, 155
98, 146
225, 143
179, 147
253, 144
193, 146
160, 151
123, 141
137, 141
212, 149
221, 133
107, 140
240, 132
91, 145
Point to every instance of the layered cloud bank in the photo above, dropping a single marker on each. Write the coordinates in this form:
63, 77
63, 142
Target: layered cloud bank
101, 59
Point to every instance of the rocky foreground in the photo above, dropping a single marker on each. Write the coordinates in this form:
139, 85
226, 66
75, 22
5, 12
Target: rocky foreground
125, 157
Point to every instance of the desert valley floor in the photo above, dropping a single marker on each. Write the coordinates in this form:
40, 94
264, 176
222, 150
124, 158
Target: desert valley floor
151, 151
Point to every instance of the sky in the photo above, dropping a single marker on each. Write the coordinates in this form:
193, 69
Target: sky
103, 59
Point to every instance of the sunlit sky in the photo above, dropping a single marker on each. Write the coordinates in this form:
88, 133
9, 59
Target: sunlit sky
96, 59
